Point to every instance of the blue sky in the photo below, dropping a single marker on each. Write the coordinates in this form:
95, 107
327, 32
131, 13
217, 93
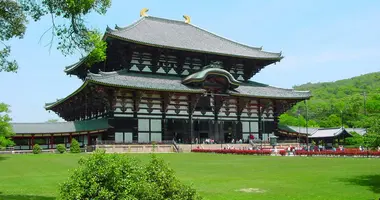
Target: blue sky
321, 41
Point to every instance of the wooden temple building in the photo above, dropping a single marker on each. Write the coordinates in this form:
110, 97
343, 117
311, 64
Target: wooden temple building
165, 79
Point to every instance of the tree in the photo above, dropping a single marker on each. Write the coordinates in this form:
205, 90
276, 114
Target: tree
5, 128
73, 37
372, 138
74, 147
355, 140
120, 176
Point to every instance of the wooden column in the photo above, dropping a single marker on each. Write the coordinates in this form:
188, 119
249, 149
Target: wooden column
191, 123
276, 117
216, 124
259, 114
164, 108
32, 141
70, 138
193, 101
88, 139
51, 141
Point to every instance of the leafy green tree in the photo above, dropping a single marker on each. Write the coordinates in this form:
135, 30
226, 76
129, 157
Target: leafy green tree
73, 37
121, 177
372, 138
356, 140
74, 147
6, 131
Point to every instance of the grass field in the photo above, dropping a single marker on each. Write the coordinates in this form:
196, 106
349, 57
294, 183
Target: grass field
37, 177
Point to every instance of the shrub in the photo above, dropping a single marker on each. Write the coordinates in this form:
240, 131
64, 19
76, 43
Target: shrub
37, 149
119, 176
233, 151
61, 148
74, 147
154, 146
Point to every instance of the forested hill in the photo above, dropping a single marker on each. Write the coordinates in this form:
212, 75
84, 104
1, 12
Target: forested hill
357, 98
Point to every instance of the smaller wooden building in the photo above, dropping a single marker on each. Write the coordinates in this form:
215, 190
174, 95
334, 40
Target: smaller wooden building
326, 136
48, 135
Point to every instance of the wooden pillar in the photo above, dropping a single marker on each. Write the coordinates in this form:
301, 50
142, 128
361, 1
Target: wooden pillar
88, 139
259, 114
32, 141
216, 124
193, 100
70, 138
51, 141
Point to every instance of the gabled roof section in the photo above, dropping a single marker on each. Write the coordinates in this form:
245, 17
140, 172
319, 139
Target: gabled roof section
166, 33
315, 132
202, 75
330, 133
60, 127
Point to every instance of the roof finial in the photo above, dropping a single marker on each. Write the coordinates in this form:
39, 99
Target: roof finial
143, 12
108, 29
187, 19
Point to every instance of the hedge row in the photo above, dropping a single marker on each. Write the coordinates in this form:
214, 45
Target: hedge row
336, 153
297, 153
233, 151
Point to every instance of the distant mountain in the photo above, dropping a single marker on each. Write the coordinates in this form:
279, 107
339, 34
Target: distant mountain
357, 100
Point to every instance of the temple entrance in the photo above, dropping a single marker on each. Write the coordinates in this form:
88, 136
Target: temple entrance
201, 130
227, 130
176, 129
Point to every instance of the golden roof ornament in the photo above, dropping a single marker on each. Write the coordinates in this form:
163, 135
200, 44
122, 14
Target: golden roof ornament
143, 12
187, 19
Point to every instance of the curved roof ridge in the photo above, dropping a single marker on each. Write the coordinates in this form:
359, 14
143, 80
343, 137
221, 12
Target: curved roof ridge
135, 23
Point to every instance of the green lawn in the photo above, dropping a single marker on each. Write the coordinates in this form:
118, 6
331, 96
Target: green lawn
215, 176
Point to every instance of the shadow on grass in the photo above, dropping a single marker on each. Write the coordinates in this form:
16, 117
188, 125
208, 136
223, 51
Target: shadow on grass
24, 197
2, 157
370, 181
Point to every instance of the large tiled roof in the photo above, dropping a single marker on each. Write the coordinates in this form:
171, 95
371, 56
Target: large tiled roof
141, 81
179, 35
173, 83
157, 82
60, 127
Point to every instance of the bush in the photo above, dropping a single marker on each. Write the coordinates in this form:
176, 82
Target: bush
119, 176
61, 148
37, 149
74, 147
233, 151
